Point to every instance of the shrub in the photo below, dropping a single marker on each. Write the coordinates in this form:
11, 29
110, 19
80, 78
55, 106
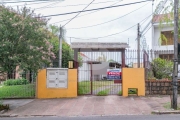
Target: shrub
162, 68
103, 93
11, 82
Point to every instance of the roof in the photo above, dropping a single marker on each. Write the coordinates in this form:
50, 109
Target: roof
99, 45
160, 17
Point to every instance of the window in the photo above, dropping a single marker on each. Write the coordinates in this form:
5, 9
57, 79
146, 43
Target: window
169, 36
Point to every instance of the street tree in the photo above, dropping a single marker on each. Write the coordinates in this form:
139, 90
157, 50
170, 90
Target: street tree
24, 40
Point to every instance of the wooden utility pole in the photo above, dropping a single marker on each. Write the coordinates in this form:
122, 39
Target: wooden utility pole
175, 68
60, 47
138, 46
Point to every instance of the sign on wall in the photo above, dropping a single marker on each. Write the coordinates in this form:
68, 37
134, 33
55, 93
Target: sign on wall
114, 74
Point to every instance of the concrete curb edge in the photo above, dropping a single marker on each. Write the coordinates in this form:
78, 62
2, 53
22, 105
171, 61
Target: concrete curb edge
165, 112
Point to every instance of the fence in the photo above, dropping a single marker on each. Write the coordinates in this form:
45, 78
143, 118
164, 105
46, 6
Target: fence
160, 87
18, 85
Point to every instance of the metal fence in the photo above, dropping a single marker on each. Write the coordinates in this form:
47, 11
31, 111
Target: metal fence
18, 85
93, 70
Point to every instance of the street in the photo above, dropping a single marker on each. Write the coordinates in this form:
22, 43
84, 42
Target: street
129, 117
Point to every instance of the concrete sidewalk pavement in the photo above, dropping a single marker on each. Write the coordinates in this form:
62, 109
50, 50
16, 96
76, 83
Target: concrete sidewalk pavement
92, 105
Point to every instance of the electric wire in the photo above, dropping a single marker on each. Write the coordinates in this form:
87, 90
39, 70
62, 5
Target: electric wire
110, 34
84, 14
83, 4
95, 9
44, 7
32, 1
79, 13
110, 20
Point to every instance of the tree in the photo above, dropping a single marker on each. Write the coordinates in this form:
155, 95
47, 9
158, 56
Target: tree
24, 40
67, 52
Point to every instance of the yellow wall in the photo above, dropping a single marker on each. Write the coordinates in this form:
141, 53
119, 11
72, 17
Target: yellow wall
133, 78
44, 92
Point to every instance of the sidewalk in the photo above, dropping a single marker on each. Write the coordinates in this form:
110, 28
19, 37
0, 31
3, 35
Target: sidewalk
91, 105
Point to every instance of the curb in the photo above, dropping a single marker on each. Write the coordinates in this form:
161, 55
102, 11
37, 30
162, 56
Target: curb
7, 115
165, 112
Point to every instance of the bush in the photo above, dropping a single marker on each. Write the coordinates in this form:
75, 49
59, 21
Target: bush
11, 82
162, 68
103, 93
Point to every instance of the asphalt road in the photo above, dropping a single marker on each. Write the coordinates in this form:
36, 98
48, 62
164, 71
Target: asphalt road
129, 117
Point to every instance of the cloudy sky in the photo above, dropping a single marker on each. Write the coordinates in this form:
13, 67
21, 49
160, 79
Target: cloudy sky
136, 13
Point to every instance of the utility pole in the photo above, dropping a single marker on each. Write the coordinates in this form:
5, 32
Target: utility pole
60, 47
138, 46
175, 68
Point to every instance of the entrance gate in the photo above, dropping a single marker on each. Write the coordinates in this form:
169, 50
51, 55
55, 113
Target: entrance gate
99, 60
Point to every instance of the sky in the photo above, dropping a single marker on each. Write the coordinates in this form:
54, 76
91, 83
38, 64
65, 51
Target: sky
141, 11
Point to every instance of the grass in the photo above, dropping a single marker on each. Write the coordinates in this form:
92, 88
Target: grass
120, 93
168, 106
103, 92
84, 87
17, 91
132, 91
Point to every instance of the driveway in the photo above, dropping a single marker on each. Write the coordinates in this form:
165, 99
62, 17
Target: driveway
92, 105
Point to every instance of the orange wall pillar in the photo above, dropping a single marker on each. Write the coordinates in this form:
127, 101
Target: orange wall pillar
133, 78
44, 92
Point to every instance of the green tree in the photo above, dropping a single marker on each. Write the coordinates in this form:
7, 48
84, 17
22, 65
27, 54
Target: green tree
24, 40
67, 52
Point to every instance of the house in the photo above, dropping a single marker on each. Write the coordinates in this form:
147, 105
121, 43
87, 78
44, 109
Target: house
162, 37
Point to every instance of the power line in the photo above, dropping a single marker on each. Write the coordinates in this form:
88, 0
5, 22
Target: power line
85, 14
47, 5
79, 13
147, 30
40, 2
95, 9
110, 34
32, 1
83, 4
107, 35
110, 20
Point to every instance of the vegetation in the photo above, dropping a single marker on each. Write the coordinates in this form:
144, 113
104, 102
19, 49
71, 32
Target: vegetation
24, 40
84, 87
103, 92
168, 106
67, 52
17, 91
120, 93
162, 68
28, 42
11, 82
4, 107
132, 91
